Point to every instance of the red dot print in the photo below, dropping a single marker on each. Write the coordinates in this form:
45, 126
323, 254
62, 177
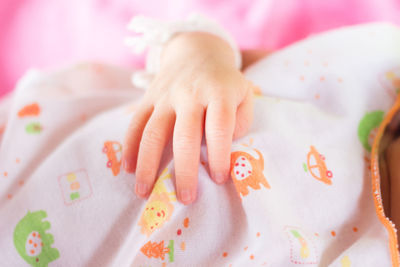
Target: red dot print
237, 172
179, 232
333, 233
243, 158
242, 175
237, 164
243, 165
158, 214
225, 254
355, 229
249, 171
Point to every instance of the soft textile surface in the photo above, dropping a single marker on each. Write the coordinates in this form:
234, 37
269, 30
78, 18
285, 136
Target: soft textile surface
301, 186
47, 33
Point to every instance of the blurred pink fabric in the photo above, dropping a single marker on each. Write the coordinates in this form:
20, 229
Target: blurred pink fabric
48, 33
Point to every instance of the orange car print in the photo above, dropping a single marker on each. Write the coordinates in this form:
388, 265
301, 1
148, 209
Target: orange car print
113, 149
317, 167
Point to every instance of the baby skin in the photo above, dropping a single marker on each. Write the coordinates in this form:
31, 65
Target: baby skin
207, 94
197, 90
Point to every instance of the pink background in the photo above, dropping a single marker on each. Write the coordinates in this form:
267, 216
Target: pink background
48, 33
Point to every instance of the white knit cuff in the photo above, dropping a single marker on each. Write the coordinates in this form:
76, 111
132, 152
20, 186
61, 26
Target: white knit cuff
155, 33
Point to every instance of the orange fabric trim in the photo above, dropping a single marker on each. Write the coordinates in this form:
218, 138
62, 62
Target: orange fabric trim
376, 191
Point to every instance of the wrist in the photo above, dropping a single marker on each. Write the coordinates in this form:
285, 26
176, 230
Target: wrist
199, 48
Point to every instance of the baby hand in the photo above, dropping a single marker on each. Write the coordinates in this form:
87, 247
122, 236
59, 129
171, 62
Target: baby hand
198, 86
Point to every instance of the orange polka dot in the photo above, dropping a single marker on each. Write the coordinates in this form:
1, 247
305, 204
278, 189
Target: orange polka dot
9, 196
246, 248
5, 174
30, 241
251, 257
35, 245
225, 254
333, 233
258, 234
32, 251
17, 160
301, 78
38, 235
355, 229
186, 222
316, 234
317, 96
322, 78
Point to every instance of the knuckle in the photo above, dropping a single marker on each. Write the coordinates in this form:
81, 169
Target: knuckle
218, 134
152, 137
185, 143
185, 176
144, 173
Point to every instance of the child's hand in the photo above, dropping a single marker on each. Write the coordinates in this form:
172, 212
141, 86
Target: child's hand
198, 86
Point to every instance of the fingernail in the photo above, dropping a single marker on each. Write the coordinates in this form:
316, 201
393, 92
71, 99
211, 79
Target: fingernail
220, 177
126, 166
186, 196
141, 189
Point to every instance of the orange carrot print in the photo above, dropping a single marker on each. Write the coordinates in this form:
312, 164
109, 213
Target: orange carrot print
29, 110
158, 251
